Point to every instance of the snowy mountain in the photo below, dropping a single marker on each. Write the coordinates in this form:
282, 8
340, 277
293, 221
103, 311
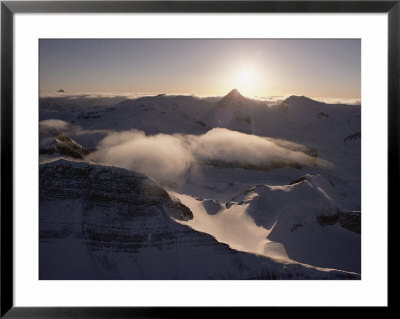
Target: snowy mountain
233, 98
309, 219
100, 222
265, 187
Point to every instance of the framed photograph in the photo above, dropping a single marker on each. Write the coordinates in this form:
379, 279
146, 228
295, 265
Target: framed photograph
164, 155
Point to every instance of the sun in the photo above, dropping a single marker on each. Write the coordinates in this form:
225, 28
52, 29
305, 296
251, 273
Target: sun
245, 79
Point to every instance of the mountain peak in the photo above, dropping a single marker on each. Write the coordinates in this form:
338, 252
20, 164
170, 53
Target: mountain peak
300, 99
233, 97
234, 93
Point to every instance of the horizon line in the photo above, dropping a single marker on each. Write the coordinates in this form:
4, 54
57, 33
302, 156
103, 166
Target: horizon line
203, 95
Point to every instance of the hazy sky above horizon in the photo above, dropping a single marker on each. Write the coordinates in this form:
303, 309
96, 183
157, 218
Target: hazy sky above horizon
259, 67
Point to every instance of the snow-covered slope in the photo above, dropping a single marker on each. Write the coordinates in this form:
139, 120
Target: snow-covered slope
306, 221
309, 218
206, 151
100, 222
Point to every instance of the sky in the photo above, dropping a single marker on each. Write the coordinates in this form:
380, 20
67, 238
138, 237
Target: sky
256, 67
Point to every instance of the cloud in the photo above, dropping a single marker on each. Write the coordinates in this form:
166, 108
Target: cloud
274, 100
57, 124
168, 157
332, 100
159, 156
233, 146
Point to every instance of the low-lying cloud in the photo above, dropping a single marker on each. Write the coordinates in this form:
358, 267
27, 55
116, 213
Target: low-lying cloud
57, 124
168, 157
160, 156
233, 146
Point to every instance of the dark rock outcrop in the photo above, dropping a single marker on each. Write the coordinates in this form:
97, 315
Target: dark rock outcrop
348, 220
322, 114
66, 146
352, 137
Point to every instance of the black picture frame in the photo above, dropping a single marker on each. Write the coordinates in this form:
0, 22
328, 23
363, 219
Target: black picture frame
9, 8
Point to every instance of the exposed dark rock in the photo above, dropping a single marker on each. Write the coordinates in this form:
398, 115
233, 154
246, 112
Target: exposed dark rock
295, 226
327, 220
200, 122
303, 178
67, 146
351, 221
89, 115
348, 220
354, 136
322, 114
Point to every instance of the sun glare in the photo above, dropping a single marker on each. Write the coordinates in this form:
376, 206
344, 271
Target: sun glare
245, 80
